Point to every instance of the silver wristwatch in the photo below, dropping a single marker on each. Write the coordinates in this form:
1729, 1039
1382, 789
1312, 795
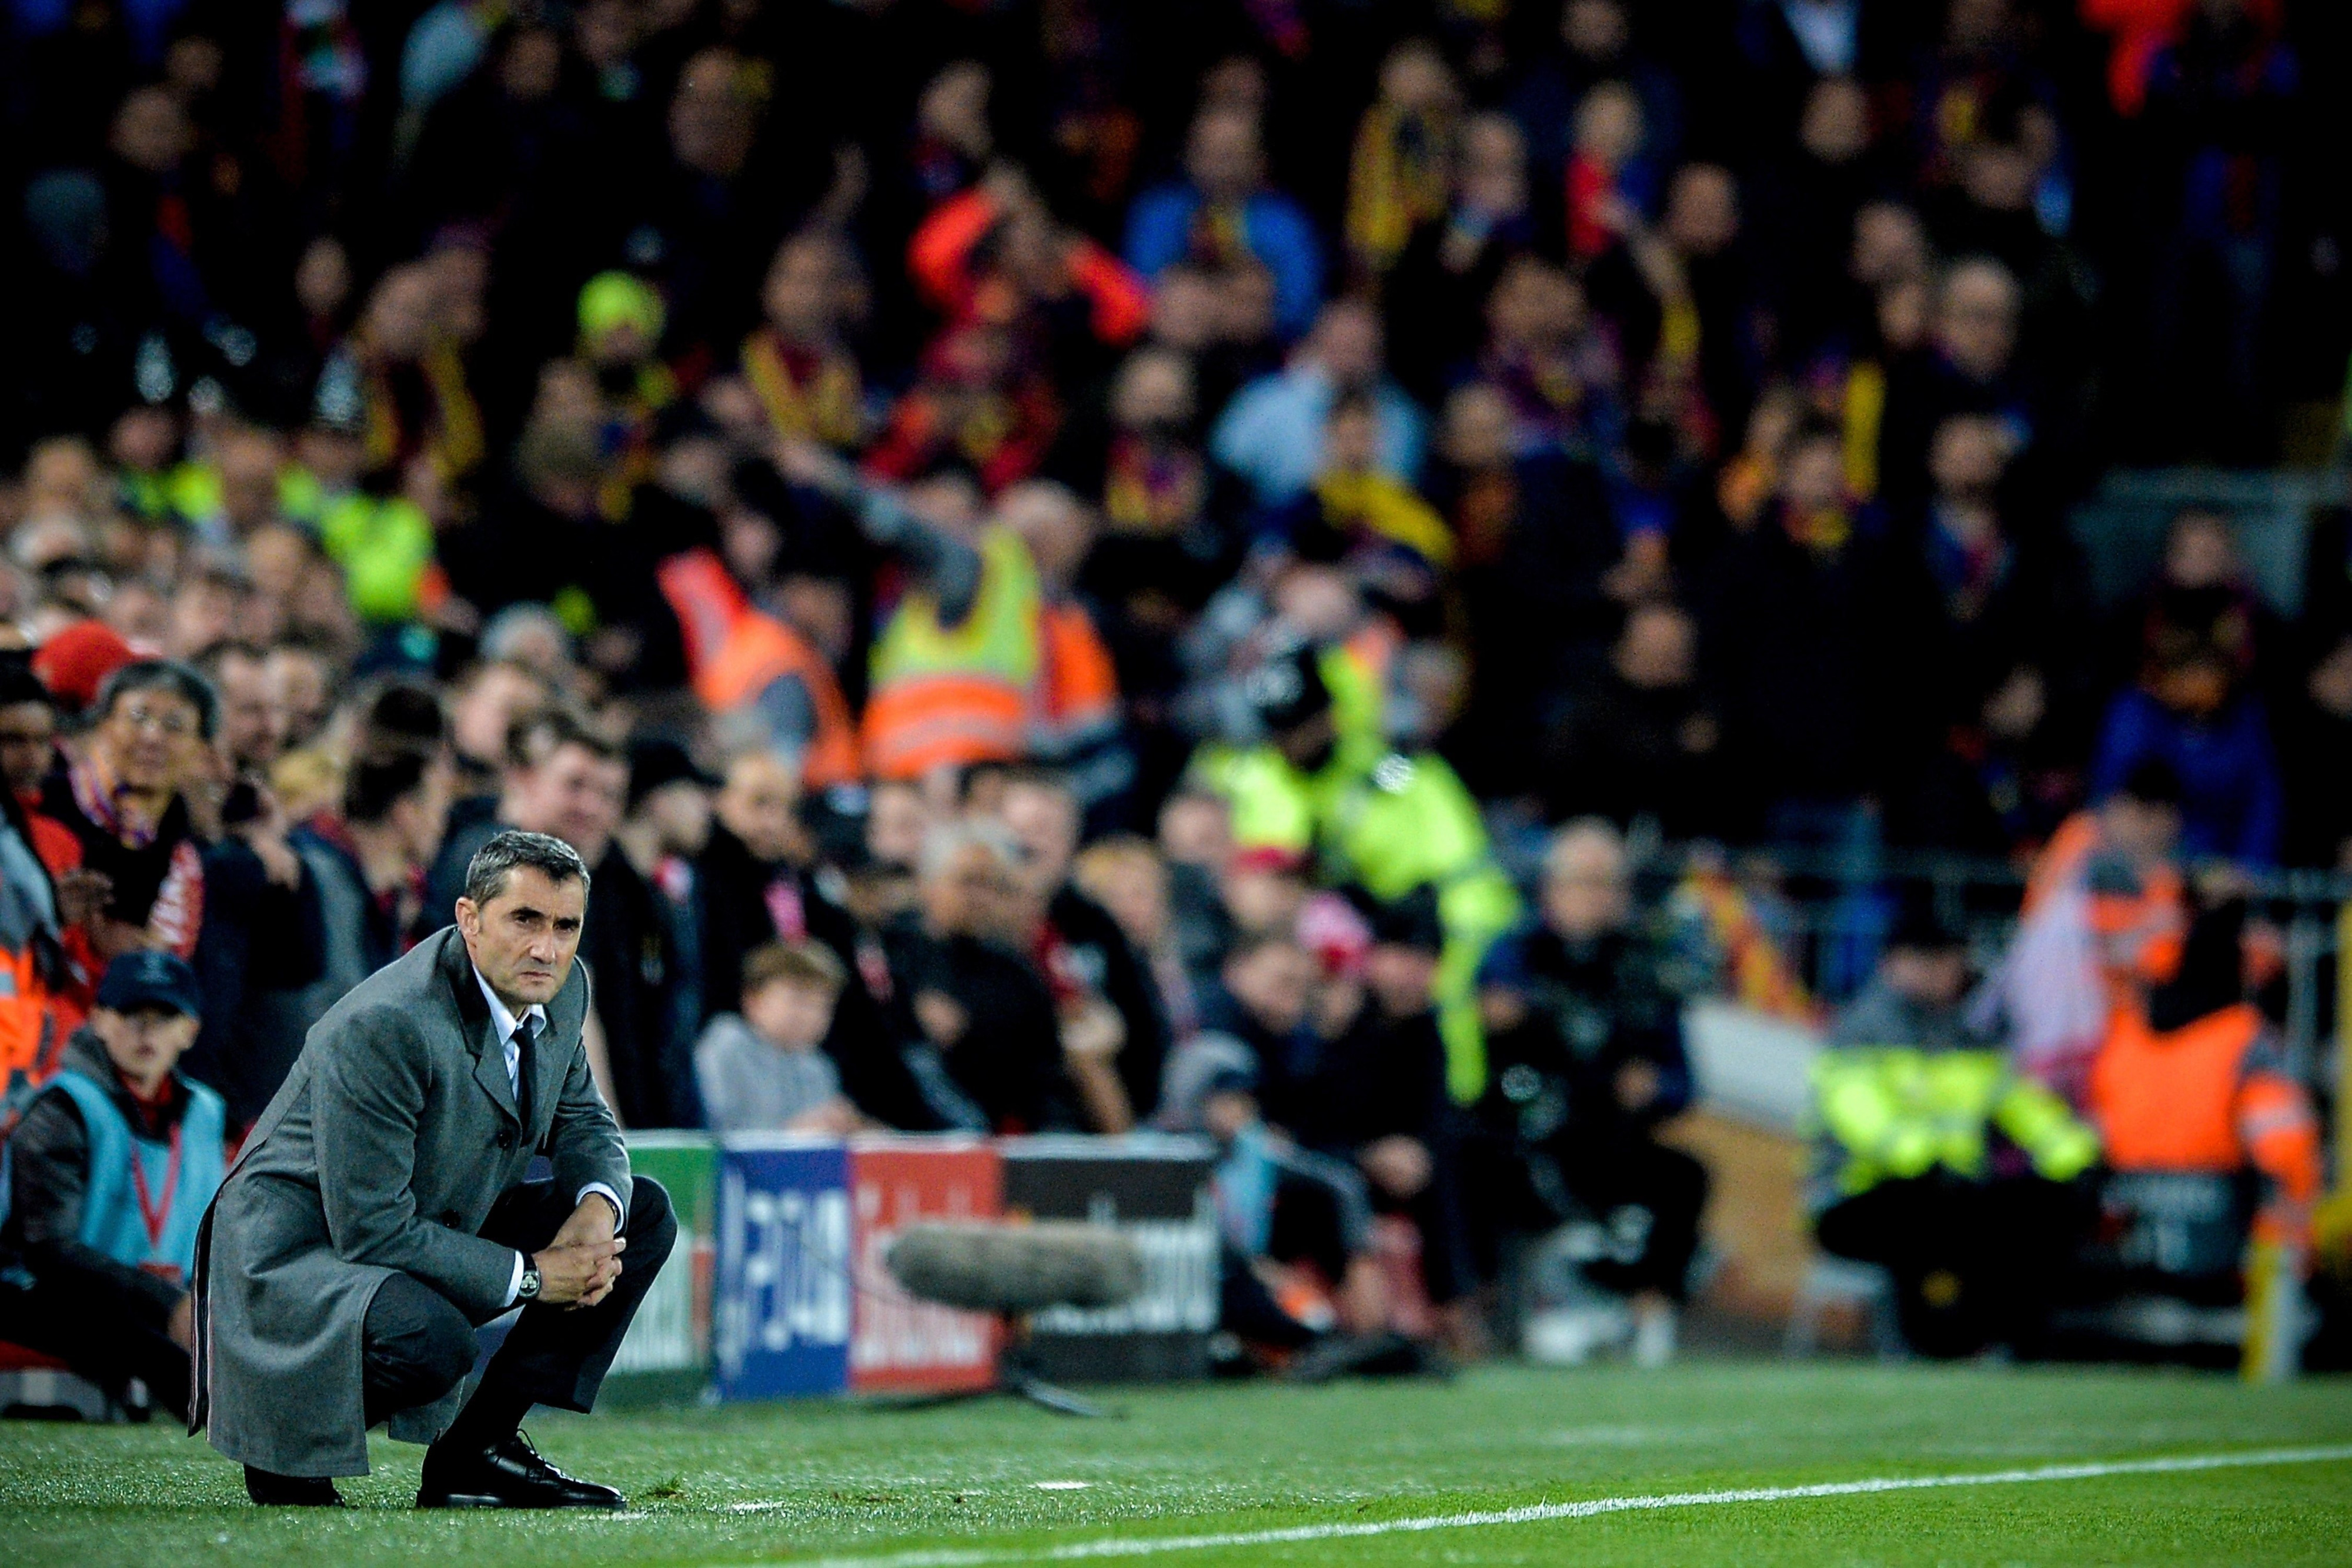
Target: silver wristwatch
529, 1290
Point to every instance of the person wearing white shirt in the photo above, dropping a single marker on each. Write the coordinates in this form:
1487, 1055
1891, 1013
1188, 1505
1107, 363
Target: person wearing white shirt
390, 1201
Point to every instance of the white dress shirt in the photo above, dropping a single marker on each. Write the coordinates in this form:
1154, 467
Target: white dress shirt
508, 1027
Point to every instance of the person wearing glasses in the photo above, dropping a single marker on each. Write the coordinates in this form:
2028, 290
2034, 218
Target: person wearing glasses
123, 792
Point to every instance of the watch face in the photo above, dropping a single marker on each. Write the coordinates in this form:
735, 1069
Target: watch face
529, 1290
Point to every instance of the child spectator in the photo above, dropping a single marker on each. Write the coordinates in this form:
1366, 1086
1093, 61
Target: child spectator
764, 1070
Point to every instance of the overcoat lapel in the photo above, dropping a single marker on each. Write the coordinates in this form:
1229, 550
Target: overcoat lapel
489, 1065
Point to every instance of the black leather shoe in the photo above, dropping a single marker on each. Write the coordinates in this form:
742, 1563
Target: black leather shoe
509, 1474
269, 1489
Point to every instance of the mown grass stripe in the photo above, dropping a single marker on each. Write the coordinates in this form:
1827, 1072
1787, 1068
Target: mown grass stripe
1587, 1508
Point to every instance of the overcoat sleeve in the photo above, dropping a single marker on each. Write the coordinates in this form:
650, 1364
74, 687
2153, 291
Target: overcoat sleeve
583, 1142
371, 1088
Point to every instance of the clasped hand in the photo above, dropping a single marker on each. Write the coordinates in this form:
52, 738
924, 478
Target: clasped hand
580, 1267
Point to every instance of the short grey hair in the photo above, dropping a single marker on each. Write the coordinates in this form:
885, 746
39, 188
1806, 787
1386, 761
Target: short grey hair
1587, 836
486, 873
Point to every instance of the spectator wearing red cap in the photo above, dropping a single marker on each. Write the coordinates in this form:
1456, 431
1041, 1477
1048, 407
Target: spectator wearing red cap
46, 947
76, 662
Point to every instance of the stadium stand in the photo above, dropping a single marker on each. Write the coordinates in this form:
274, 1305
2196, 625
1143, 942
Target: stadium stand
1439, 599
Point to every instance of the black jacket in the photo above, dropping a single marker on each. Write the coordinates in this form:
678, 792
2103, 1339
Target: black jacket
1111, 966
1592, 1010
49, 1171
625, 943
1384, 1077
1008, 1060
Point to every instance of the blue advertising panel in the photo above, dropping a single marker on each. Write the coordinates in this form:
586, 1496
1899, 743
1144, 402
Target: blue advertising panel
781, 1312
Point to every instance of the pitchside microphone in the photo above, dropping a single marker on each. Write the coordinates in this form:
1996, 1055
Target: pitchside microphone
987, 1268
1011, 1271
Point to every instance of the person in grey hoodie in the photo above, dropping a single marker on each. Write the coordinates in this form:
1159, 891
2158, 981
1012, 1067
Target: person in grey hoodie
764, 1070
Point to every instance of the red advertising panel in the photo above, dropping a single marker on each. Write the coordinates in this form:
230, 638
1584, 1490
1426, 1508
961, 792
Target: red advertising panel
897, 1342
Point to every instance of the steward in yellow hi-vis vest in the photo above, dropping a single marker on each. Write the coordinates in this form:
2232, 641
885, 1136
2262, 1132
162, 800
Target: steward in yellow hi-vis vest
951, 694
1323, 785
1939, 1161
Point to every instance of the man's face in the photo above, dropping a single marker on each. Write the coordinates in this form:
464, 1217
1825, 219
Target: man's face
1275, 981
1585, 895
203, 613
798, 293
1347, 342
2203, 552
522, 941
896, 823
681, 814
1403, 977
144, 1043
1977, 324
300, 687
150, 737
711, 120
1226, 1114
28, 733
421, 815
1657, 651
1044, 822
488, 708
253, 724
576, 796
967, 896
1222, 157
759, 805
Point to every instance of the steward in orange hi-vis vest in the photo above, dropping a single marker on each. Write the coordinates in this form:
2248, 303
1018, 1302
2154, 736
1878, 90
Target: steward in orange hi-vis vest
2213, 1097
736, 654
2192, 1083
1078, 688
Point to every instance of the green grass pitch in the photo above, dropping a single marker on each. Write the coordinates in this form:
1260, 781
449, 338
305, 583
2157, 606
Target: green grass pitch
816, 1482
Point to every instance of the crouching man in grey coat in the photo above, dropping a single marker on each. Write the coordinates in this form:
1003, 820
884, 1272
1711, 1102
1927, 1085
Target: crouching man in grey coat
378, 1213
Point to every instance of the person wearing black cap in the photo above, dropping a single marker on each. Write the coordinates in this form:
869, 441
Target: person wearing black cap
108, 1177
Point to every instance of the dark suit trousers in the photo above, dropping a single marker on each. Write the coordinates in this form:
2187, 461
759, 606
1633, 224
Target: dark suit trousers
417, 1345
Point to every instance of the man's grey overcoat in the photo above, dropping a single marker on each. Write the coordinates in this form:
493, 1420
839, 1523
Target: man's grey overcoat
384, 1150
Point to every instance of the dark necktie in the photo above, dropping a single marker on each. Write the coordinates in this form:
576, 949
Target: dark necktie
525, 1035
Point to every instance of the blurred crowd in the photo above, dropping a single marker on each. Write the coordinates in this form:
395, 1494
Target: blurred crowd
1055, 560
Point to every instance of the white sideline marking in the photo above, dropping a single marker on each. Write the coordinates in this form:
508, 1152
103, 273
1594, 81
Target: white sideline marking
1536, 1513
1061, 1485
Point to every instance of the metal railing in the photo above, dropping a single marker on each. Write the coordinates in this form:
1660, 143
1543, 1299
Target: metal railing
1831, 909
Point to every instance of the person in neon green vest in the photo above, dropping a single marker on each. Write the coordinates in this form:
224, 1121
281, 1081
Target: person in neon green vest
1323, 785
1938, 1160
